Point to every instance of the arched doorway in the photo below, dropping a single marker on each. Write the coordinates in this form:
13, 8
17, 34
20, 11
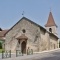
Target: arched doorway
22, 39
23, 47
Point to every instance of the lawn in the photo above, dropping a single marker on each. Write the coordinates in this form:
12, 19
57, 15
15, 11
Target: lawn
1, 50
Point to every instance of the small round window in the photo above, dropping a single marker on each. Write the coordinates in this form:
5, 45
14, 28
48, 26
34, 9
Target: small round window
23, 30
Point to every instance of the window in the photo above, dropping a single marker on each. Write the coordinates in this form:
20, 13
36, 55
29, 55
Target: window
50, 29
23, 31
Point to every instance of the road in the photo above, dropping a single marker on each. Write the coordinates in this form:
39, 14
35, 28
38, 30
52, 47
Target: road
51, 55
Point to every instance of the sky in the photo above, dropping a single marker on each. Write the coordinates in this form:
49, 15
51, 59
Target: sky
36, 10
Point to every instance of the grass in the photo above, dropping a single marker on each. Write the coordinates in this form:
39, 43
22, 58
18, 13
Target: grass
1, 50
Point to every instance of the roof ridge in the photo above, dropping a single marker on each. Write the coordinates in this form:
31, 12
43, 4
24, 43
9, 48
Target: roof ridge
27, 20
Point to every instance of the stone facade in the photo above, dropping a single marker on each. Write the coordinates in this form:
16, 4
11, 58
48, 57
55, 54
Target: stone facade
39, 39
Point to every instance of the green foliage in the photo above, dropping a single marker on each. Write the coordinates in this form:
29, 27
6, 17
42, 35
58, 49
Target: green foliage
0, 45
1, 50
1, 42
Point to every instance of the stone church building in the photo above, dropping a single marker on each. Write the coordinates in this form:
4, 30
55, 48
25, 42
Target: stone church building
28, 34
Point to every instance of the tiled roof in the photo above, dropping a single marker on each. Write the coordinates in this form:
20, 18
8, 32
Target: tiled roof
2, 33
50, 21
2, 38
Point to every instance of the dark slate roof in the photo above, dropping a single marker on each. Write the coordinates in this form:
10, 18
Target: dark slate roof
31, 22
51, 34
27, 20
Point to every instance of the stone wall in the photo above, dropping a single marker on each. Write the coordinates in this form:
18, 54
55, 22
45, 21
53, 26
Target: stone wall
53, 42
31, 32
38, 39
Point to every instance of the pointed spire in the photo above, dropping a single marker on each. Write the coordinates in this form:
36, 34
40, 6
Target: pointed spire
50, 21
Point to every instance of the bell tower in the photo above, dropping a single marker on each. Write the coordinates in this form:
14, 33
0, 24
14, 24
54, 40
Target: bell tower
51, 25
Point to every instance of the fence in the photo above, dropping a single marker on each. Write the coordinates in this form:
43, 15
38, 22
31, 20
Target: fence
18, 53
7, 54
29, 51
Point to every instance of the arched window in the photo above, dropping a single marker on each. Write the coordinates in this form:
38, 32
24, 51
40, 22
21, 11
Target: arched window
50, 29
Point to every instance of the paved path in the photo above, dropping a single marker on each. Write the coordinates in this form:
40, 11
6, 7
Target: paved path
52, 55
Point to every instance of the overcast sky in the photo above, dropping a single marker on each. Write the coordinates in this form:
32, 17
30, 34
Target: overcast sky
35, 10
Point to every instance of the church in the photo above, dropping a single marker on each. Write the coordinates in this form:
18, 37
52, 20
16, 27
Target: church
28, 34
